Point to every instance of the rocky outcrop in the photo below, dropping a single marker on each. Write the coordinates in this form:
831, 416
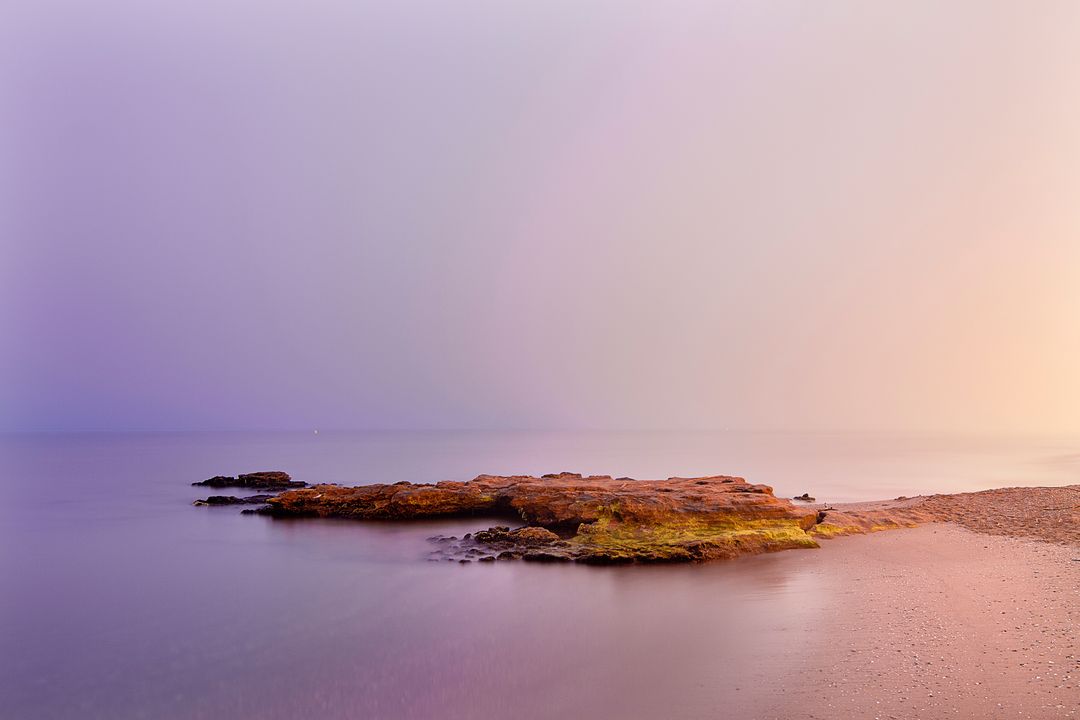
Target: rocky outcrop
600, 519
265, 480
597, 519
835, 522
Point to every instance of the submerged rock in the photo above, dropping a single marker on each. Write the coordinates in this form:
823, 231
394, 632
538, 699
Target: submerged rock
502, 542
522, 537
265, 480
595, 519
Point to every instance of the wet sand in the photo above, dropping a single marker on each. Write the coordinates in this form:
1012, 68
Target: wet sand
938, 622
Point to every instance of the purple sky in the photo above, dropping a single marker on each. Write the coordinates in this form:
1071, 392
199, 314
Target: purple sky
549, 214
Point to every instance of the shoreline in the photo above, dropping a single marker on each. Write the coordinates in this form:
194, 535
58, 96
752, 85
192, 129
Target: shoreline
599, 519
1051, 514
937, 621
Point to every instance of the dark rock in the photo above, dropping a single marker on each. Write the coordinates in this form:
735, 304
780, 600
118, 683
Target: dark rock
233, 500
526, 536
544, 557
218, 481
266, 480
607, 559
805, 497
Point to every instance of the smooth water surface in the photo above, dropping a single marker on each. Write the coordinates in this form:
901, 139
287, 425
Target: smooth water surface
122, 600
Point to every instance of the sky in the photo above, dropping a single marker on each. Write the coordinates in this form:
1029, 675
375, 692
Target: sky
598, 214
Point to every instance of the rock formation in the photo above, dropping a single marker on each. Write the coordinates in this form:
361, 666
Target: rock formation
595, 519
600, 519
265, 480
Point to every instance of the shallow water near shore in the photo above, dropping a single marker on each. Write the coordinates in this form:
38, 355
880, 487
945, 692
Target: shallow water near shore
121, 600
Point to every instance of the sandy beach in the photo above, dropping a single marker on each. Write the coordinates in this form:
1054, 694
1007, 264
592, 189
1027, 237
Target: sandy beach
962, 605
974, 615
938, 622
1044, 513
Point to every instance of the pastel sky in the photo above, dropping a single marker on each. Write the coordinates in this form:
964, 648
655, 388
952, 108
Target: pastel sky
540, 214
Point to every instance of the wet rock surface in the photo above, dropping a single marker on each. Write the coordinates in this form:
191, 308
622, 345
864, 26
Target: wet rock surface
265, 480
502, 543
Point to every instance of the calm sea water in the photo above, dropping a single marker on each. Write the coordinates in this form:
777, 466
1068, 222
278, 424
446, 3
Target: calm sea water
121, 600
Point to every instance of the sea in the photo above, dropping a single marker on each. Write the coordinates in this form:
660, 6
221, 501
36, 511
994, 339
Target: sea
120, 599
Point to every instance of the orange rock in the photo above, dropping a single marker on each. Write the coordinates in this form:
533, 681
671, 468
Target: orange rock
599, 518
604, 519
